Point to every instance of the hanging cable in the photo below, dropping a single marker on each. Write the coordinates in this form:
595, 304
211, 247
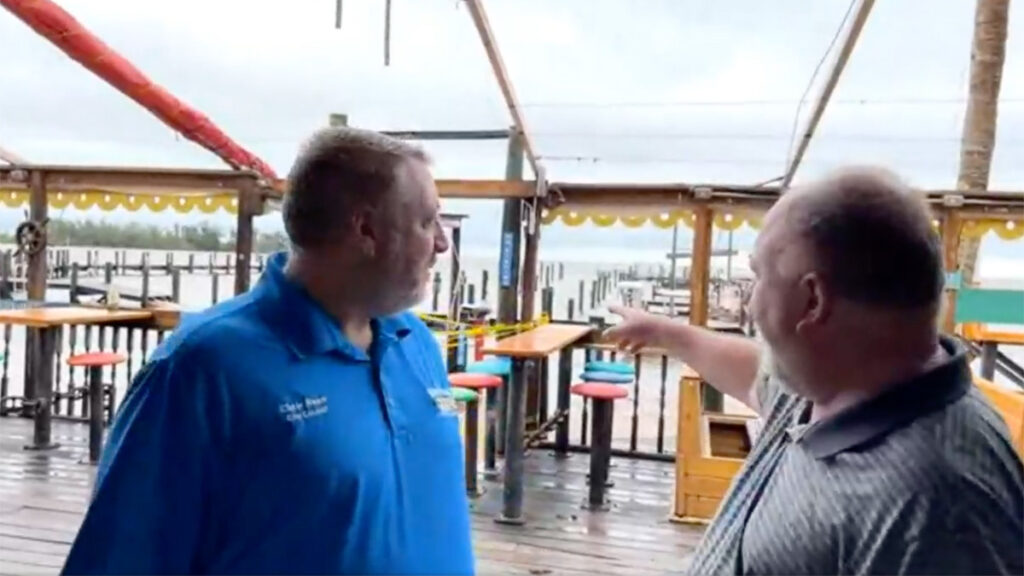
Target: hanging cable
814, 75
387, 32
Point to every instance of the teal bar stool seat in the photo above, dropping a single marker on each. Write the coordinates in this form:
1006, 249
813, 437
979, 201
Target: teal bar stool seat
607, 377
463, 395
606, 366
499, 366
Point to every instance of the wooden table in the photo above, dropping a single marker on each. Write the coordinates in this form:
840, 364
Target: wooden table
534, 344
49, 322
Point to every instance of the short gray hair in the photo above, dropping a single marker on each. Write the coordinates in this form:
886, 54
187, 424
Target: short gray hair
336, 169
872, 235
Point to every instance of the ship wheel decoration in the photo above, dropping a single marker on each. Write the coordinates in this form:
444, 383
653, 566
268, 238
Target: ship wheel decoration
31, 236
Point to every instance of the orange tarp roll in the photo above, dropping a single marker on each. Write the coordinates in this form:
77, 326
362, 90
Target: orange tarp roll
56, 25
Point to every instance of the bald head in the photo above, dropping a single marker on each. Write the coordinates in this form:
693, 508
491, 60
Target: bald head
870, 236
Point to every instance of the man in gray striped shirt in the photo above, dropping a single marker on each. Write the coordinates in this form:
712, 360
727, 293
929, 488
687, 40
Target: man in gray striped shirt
877, 454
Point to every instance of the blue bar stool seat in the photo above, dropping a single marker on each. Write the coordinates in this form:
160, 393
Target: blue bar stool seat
606, 366
498, 366
607, 377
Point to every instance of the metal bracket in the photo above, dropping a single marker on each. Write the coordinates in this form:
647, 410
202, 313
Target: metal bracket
953, 200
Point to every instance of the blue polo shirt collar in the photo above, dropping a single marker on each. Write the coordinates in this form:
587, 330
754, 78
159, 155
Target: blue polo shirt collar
305, 326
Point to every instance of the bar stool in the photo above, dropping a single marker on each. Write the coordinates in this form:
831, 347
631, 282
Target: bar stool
602, 377
495, 366
477, 382
603, 397
95, 361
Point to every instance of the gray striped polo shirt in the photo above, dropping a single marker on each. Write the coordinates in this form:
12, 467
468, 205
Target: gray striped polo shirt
920, 480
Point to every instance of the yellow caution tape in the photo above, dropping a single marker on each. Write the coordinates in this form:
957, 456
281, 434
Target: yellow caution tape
498, 330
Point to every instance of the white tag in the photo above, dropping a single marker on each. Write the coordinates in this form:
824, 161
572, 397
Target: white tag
444, 401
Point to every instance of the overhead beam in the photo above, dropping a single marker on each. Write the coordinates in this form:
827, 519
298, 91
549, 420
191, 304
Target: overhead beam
483, 27
852, 35
61, 178
486, 189
1004, 205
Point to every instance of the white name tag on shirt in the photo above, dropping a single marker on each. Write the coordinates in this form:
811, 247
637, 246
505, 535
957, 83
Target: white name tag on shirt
444, 401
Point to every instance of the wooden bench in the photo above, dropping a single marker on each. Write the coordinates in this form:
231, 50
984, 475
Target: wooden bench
711, 447
709, 452
1010, 405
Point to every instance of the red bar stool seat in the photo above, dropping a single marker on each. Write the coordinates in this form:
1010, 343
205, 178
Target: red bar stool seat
474, 381
95, 361
485, 383
603, 397
100, 359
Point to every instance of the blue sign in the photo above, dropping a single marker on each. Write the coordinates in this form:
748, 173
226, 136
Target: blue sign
505, 263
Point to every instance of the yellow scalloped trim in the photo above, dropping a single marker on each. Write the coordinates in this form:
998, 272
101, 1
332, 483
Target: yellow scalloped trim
726, 221
1004, 229
182, 203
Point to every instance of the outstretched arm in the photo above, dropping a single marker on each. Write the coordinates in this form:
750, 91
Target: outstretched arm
727, 362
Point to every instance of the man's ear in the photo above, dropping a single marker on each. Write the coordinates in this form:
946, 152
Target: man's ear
365, 229
817, 302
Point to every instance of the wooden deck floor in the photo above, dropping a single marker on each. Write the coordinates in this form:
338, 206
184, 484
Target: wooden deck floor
43, 497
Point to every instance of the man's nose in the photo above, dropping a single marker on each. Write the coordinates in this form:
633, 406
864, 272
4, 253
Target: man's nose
441, 242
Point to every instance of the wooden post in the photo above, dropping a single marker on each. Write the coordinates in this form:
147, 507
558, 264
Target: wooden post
508, 263
35, 275
508, 269
144, 300
700, 274
530, 276
176, 285
436, 293
455, 294
248, 203
38, 211
951, 227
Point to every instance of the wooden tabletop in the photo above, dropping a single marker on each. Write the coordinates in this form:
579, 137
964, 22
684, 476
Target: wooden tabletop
50, 317
540, 342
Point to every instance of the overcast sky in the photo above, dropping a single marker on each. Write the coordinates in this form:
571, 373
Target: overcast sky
613, 90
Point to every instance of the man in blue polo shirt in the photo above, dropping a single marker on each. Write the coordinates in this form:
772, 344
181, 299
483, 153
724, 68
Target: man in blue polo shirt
306, 426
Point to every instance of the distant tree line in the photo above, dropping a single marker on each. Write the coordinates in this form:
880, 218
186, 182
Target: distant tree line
203, 237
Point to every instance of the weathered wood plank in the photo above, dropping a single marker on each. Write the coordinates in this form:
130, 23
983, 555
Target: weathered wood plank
43, 497
58, 549
12, 568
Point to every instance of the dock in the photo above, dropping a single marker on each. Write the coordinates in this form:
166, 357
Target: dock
43, 497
